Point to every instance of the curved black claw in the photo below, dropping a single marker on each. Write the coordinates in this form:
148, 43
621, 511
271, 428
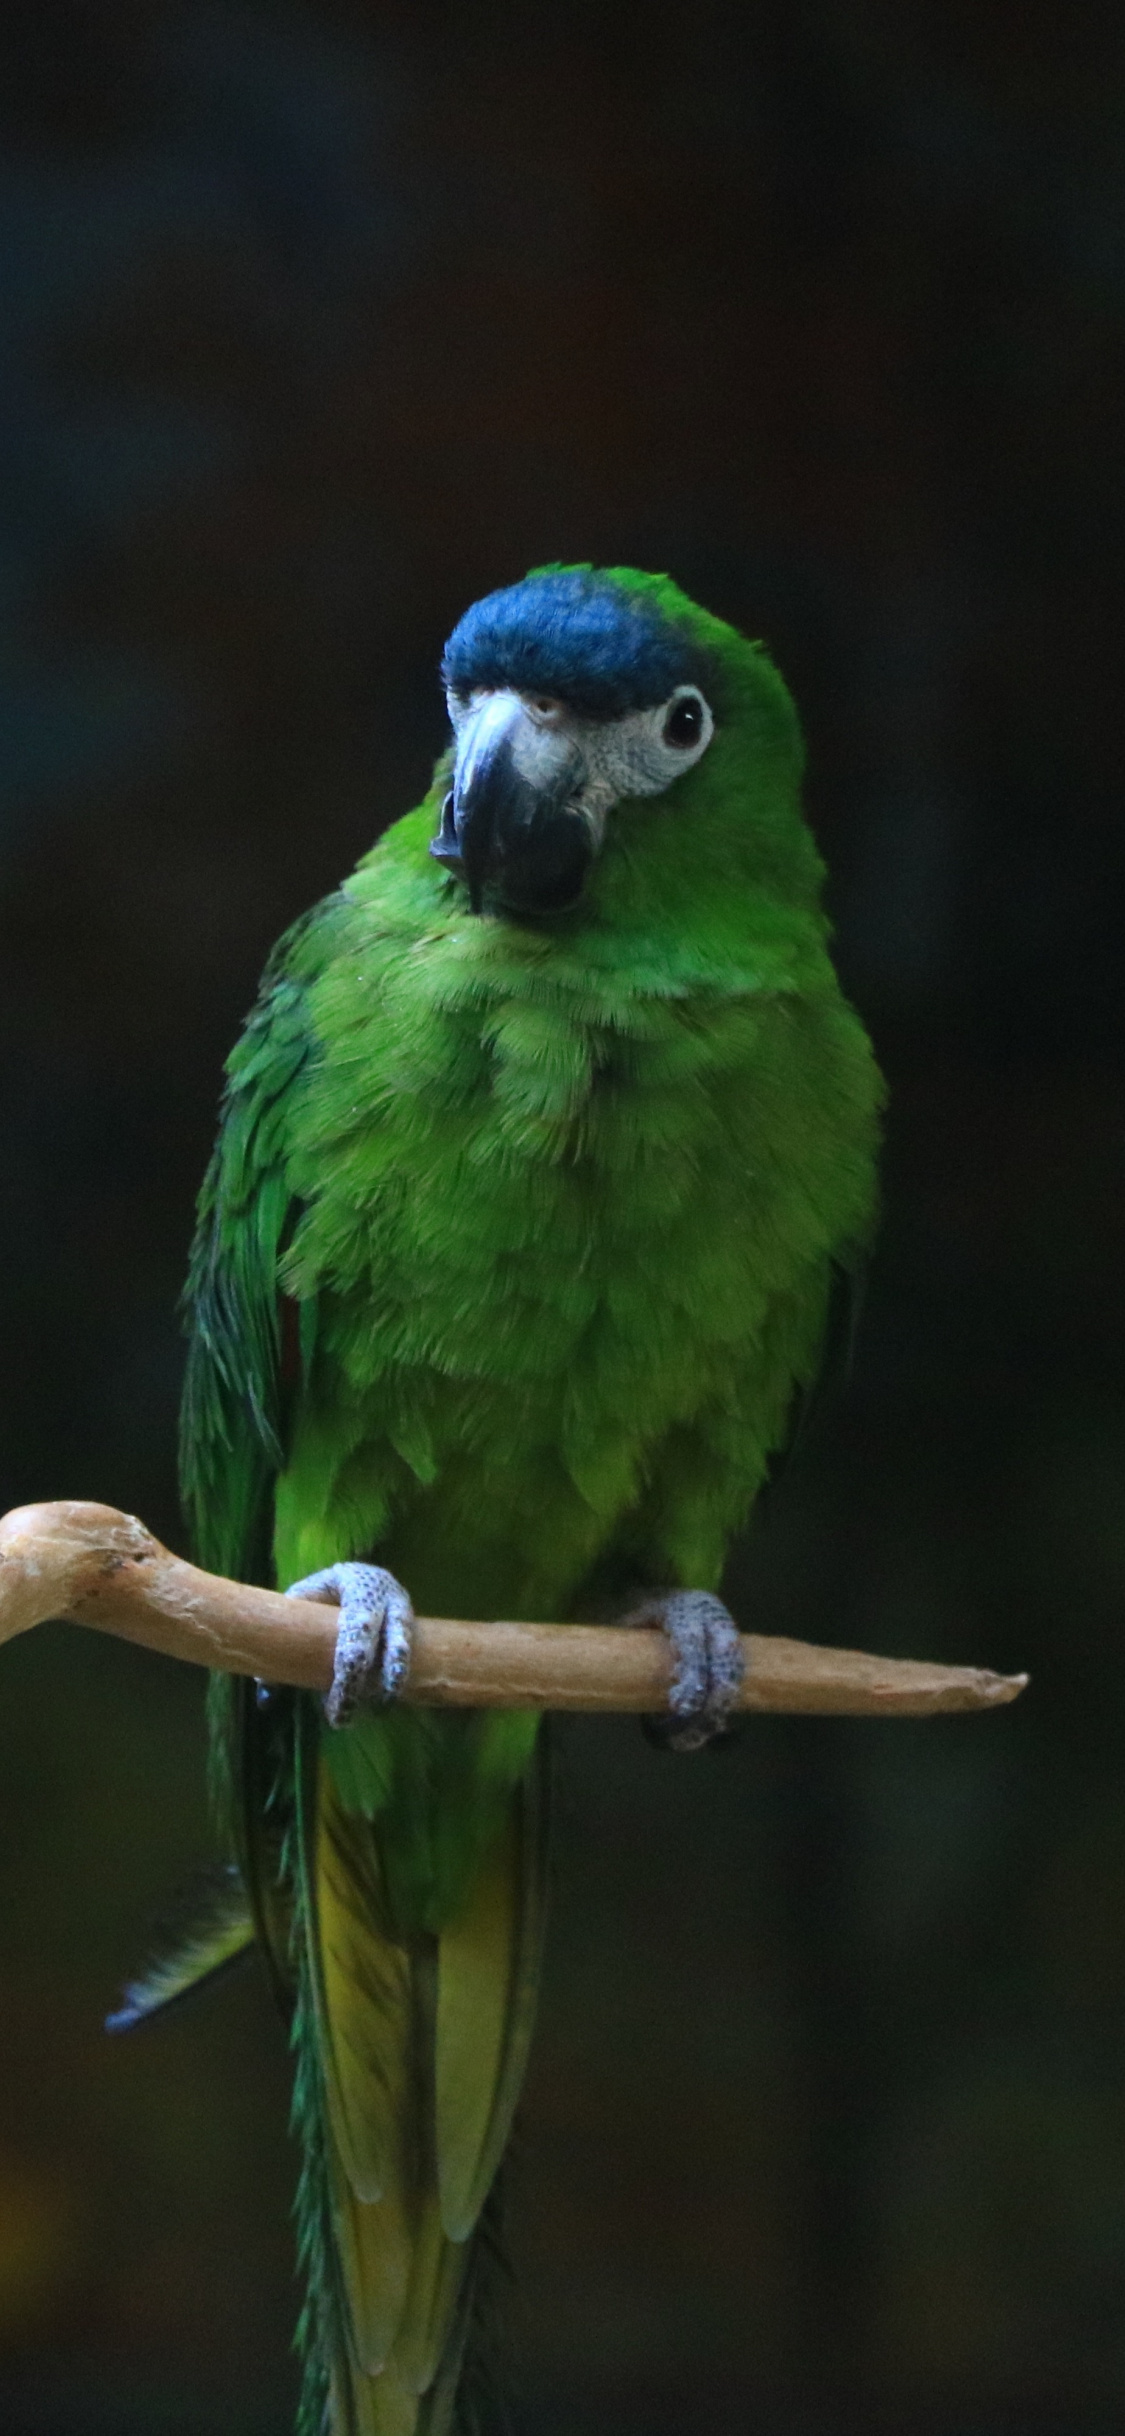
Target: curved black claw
373, 1642
708, 1670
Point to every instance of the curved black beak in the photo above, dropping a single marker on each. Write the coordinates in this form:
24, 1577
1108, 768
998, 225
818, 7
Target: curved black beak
511, 822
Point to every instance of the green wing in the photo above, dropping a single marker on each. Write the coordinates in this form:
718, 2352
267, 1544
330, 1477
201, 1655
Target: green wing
233, 1414
231, 1431
231, 1426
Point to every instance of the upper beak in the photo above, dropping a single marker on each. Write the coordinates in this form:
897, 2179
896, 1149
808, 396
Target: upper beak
513, 821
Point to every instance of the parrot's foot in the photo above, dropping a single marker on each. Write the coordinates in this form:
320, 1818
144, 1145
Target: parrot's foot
373, 1642
709, 1667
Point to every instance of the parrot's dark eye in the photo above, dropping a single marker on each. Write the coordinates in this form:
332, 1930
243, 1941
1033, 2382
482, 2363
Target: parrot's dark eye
683, 726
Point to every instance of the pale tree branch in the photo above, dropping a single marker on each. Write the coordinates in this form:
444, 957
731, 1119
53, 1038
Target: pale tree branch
90, 1565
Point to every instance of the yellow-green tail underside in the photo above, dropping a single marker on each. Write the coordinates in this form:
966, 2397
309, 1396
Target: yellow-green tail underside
411, 2052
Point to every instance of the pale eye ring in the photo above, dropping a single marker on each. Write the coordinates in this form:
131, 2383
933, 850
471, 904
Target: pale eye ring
685, 721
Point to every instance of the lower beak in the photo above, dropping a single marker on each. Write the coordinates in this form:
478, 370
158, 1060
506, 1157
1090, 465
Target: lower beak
512, 822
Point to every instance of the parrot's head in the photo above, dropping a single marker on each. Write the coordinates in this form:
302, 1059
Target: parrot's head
581, 690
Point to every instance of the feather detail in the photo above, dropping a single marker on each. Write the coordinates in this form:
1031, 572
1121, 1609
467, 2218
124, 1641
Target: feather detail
366, 2003
216, 1933
489, 1961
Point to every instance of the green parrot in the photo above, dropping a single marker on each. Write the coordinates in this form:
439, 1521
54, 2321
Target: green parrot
539, 1156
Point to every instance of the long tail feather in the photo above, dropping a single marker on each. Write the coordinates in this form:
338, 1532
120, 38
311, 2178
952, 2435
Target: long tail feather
411, 2049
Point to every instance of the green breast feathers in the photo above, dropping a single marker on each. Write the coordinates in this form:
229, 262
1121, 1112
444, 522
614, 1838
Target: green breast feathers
567, 1206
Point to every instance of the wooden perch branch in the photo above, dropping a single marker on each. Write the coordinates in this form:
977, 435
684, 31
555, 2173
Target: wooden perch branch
91, 1565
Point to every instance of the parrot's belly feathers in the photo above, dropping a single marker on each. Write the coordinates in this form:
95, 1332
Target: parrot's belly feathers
566, 1228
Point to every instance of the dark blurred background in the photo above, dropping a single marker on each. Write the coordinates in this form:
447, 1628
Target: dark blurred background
317, 322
